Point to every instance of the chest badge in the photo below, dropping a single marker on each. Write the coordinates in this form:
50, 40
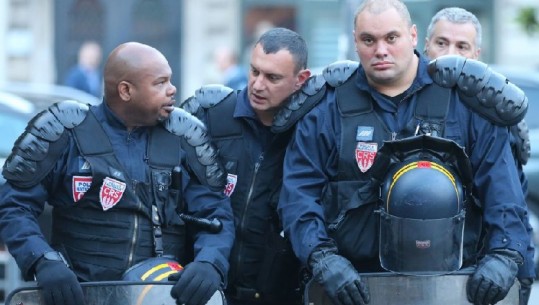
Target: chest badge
231, 181
80, 185
365, 154
111, 192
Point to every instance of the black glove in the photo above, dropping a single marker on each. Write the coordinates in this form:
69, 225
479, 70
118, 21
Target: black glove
59, 284
196, 283
494, 276
338, 277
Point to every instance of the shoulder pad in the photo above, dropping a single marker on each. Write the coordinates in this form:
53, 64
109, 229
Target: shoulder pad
206, 97
194, 132
339, 72
485, 91
299, 103
38, 148
70, 113
521, 145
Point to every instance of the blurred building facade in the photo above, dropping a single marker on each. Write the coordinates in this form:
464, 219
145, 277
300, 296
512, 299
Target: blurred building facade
41, 37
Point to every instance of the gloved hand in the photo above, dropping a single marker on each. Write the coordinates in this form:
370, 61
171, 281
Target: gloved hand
494, 276
196, 283
338, 277
59, 284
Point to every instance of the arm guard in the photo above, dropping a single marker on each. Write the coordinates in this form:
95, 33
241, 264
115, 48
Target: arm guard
36, 151
485, 91
311, 93
203, 156
206, 97
521, 146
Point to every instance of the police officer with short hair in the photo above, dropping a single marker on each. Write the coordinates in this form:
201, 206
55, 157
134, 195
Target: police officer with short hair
329, 196
456, 31
251, 128
117, 176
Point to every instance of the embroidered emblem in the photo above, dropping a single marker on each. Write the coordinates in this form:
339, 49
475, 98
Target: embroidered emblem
84, 166
111, 192
364, 133
80, 185
422, 244
365, 153
231, 181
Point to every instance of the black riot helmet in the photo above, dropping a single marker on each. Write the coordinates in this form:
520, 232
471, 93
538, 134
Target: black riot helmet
422, 205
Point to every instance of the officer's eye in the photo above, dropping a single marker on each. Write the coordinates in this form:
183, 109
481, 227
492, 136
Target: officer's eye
368, 40
392, 38
441, 43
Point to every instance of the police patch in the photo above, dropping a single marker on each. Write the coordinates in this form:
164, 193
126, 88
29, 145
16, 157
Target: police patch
231, 181
80, 185
364, 133
111, 192
365, 153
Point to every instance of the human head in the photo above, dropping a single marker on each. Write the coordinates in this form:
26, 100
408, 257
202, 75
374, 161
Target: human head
278, 68
453, 31
225, 57
138, 86
90, 55
385, 40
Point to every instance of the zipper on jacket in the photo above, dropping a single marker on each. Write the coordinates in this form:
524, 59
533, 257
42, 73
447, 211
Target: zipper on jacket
245, 208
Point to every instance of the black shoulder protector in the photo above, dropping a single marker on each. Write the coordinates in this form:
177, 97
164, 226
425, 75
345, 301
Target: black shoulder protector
206, 97
207, 166
338, 72
215, 103
36, 151
485, 91
311, 93
299, 103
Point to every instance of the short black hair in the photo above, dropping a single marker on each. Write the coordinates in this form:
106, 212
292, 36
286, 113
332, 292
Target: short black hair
277, 39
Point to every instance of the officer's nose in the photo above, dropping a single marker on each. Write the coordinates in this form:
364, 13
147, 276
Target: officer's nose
172, 90
258, 83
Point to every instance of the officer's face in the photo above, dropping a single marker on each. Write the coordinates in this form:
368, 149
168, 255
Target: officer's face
385, 44
153, 92
450, 38
272, 78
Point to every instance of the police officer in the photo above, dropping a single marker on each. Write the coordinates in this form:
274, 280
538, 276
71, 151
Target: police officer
328, 200
251, 128
117, 177
456, 31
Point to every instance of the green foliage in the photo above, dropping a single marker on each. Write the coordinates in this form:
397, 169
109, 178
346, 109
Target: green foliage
527, 19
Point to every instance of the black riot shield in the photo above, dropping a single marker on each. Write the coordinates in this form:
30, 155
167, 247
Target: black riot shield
112, 293
395, 289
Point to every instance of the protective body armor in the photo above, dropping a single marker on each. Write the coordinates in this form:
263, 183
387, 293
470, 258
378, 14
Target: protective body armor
352, 198
261, 260
130, 220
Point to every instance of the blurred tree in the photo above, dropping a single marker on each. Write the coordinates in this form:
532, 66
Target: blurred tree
527, 19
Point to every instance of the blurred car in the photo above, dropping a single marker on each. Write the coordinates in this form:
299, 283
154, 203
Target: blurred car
43, 95
15, 112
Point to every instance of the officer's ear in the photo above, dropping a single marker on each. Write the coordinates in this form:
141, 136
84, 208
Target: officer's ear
302, 76
124, 90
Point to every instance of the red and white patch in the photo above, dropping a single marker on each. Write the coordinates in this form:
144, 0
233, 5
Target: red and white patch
231, 181
365, 153
111, 192
80, 185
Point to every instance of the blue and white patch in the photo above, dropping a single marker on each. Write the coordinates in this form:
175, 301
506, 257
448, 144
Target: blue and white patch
84, 166
364, 133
